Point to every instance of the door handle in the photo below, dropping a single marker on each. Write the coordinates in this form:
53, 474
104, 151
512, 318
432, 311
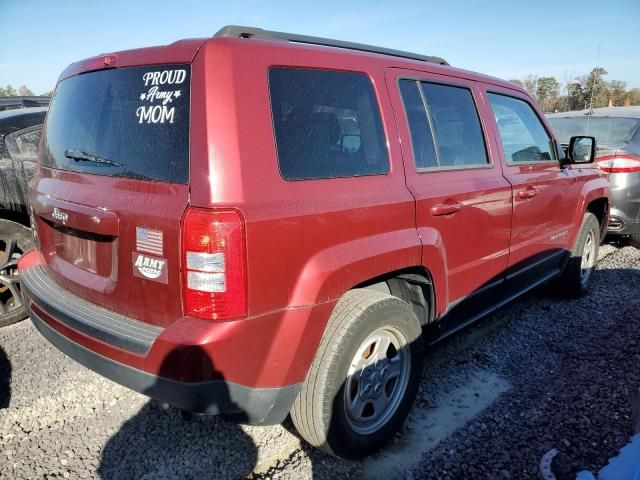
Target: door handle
446, 209
528, 193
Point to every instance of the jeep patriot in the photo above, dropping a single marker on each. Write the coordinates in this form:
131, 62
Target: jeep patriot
261, 224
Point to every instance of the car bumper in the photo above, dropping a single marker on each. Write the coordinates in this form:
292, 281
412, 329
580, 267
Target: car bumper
250, 369
625, 208
256, 406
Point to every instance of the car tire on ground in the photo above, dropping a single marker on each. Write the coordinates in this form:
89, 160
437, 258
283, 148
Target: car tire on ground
364, 378
574, 280
635, 240
15, 239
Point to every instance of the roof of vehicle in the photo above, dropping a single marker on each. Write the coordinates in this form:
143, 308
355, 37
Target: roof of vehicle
185, 50
627, 112
19, 118
394, 58
234, 31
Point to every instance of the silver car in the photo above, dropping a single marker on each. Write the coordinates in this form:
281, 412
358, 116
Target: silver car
617, 132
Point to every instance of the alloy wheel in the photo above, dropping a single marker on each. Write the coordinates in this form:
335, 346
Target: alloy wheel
10, 297
588, 258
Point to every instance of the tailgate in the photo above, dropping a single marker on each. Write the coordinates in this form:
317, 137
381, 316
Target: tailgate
112, 188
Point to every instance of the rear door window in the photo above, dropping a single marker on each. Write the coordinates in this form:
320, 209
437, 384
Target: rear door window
524, 138
456, 125
424, 151
327, 124
128, 122
444, 124
23, 144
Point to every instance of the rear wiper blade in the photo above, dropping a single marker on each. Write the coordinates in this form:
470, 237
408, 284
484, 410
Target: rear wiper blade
78, 155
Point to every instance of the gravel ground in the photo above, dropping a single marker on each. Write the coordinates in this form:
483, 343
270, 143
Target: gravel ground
542, 373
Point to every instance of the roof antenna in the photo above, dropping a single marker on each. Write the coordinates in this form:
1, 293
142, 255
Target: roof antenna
593, 87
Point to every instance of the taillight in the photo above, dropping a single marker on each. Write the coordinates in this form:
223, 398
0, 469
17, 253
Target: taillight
213, 264
619, 164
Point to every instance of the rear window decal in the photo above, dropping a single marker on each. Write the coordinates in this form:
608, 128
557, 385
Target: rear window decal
155, 114
153, 94
162, 112
164, 77
149, 241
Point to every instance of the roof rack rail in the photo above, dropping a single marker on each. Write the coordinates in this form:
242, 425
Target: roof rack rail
236, 31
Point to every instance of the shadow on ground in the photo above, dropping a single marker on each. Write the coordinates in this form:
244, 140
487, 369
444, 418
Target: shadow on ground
159, 442
5, 379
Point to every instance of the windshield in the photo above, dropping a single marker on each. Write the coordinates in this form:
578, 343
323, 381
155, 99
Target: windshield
129, 122
607, 130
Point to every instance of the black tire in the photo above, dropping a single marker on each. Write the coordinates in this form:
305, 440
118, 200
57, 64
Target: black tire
575, 279
15, 239
635, 240
319, 412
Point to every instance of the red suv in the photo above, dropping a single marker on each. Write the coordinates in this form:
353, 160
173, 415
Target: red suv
259, 224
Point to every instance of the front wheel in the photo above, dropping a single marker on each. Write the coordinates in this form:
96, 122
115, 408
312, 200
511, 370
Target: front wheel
576, 277
364, 378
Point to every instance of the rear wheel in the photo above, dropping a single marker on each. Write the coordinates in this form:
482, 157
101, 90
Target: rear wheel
15, 239
364, 378
635, 240
578, 272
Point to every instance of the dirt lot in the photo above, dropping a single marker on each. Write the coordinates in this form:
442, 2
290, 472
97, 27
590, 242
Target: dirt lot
542, 373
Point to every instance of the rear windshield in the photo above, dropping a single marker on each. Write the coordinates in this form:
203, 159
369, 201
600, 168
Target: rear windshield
607, 130
128, 122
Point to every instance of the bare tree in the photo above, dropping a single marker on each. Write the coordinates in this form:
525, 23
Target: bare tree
531, 84
25, 91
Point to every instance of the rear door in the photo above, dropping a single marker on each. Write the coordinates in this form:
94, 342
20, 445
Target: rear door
544, 194
113, 185
463, 203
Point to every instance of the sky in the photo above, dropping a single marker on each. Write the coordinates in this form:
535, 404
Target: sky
506, 39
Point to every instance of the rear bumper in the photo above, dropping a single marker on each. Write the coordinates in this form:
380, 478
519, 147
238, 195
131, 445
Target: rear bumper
256, 406
248, 369
622, 224
625, 208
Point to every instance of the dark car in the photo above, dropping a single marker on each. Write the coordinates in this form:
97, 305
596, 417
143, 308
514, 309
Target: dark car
19, 138
259, 224
617, 131
10, 103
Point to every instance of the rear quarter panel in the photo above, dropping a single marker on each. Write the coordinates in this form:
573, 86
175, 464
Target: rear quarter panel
307, 241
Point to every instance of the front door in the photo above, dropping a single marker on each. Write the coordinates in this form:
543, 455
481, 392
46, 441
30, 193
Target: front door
544, 194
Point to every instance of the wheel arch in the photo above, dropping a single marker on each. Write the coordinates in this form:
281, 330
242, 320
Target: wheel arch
414, 285
595, 197
600, 208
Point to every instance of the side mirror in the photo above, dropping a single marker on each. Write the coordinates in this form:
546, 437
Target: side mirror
582, 149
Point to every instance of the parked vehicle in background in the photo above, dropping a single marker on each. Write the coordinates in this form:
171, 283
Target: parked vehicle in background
19, 138
260, 223
617, 131
11, 103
